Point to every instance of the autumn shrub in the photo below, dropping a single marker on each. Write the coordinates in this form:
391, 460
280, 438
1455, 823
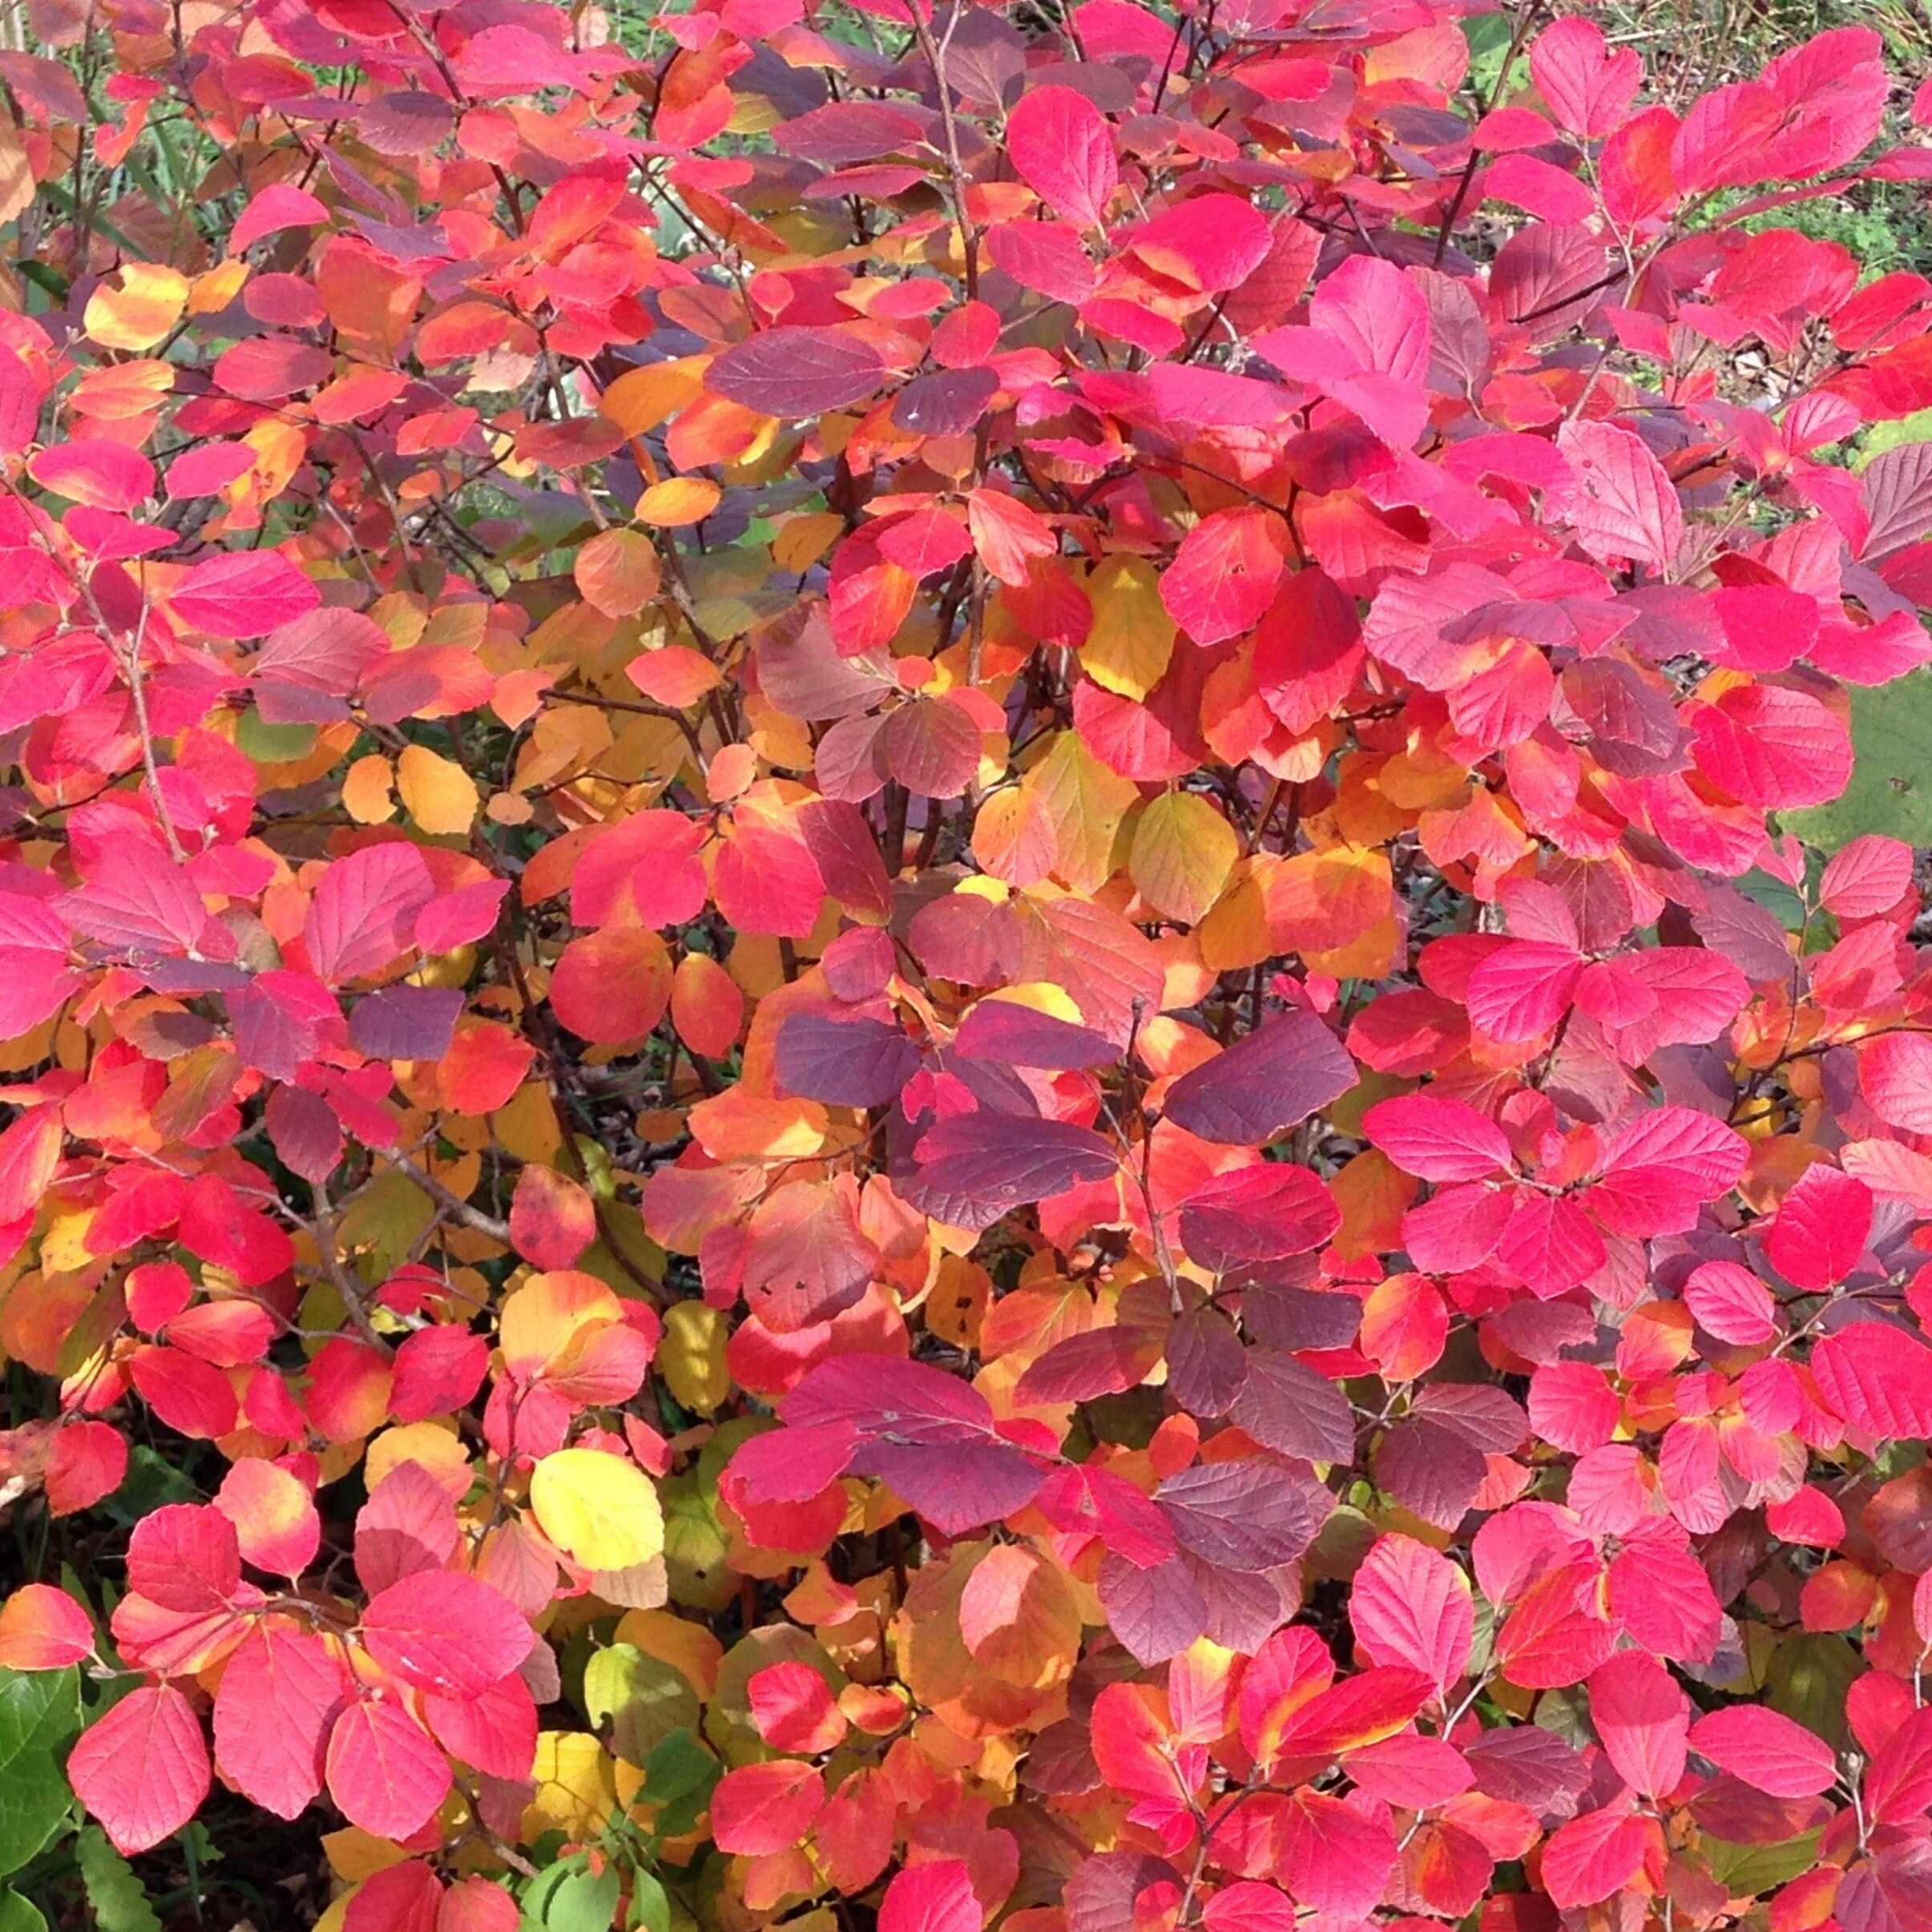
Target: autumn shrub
936, 982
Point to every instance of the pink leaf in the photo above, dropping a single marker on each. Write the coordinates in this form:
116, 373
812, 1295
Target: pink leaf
1062, 148
936, 1896
1438, 1139
1767, 1750
444, 1632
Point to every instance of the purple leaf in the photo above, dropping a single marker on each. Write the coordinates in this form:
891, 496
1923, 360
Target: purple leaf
407, 1022
844, 1062
1157, 1613
1289, 1067
902, 1401
1263, 1213
1239, 1515
1003, 1030
1005, 1160
955, 1487
1429, 1469
1287, 1406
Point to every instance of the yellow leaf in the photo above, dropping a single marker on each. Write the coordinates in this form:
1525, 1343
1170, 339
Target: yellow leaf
366, 790
542, 1319
1018, 1619
734, 1123
575, 1788
138, 314
1319, 901
691, 1356
679, 500
440, 797
1132, 637
600, 1509
1085, 802
1183, 853
17, 183
1013, 837
1042, 996
1235, 934
63, 1248
354, 1854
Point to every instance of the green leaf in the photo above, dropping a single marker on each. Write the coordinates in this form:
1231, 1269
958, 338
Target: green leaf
650, 1908
18, 1914
39, 1711
1746, 1870
571, 1897
1891, 787
1806, 1681
679, 1778
119, 1900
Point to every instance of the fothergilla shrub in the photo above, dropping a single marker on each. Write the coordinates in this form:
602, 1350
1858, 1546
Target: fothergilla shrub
932, 987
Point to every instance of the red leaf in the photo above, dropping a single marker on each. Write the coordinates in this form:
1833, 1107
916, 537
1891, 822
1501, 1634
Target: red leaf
364, 911
1821, 1227
1772, 748
404, 1897
1871, 875
1895, 1074
793, 1709
102, 475
1593, 1856
1224, 575
758, 1809
243, 594
612, 985
1412, 1606
1643, 1720
495, 1730
1625, 504
144, 1770
43, 1629
552, 1220
936, 1896
1588, 89
1730, 1303
1437, 1139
